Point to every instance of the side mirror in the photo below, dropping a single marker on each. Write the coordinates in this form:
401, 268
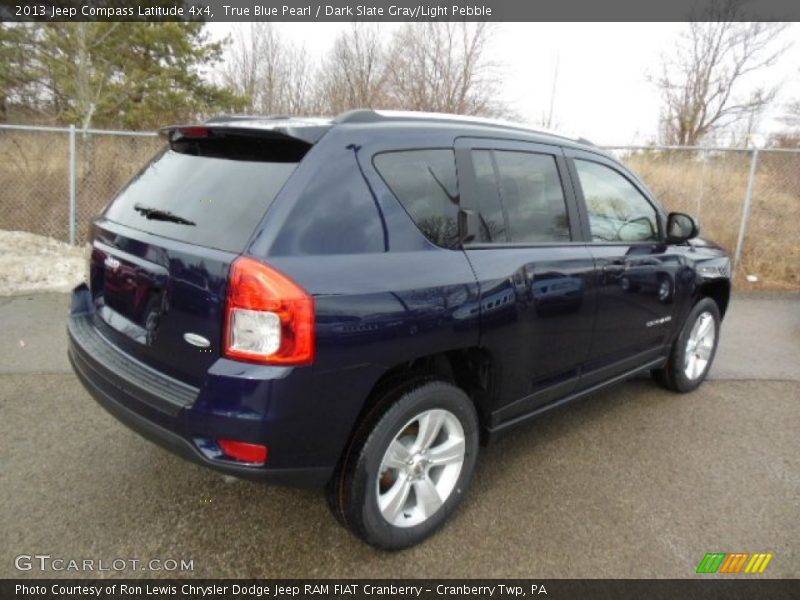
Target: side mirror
681, 227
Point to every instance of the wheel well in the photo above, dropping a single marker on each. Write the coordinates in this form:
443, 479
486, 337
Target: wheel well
468, 369
719, 291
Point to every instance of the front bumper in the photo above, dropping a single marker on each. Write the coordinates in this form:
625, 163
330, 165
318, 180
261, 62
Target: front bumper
165, 410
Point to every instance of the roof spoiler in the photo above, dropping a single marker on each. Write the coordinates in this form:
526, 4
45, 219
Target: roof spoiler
270, 128
236, 142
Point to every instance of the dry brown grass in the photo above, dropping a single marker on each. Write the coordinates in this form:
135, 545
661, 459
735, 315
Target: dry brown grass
34, 188
34, 193
714, 191
34, 178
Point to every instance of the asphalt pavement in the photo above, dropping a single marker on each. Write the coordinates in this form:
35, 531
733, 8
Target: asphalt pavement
632, 482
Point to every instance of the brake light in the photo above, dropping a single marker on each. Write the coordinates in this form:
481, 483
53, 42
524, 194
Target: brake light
190, 133
249, 453
269, 318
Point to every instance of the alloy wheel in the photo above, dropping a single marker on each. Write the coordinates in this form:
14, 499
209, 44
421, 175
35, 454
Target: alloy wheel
420, 468
699, 346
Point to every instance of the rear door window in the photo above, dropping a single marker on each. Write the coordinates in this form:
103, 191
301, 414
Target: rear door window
210, 201
528, 184
532, 196
492, 219
425, 183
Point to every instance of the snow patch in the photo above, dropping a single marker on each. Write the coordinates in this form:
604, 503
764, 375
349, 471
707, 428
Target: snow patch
35, 263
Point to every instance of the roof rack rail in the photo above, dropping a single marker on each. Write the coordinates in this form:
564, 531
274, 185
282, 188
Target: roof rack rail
368, 115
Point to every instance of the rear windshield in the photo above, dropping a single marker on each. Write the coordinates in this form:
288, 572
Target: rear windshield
205, 200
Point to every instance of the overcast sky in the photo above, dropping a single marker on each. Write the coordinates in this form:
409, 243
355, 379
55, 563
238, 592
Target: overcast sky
602, 90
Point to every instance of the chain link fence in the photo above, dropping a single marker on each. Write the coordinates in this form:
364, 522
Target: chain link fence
54, 180
748, 201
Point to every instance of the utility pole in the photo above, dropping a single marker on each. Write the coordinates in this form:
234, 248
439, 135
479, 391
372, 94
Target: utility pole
549, 123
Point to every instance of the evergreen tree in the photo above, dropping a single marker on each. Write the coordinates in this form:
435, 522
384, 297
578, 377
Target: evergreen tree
125, 75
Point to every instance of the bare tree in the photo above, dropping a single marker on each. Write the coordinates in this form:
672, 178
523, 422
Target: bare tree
354, 74
89, 87
443, 67
440, 67
240, 70
790, 136
785, 139
274, 74
701, 86
299, 75
792, 116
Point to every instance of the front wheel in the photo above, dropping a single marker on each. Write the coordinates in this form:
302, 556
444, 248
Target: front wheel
693, 351
408, 466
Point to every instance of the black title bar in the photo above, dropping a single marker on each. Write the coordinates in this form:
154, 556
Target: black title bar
398, 10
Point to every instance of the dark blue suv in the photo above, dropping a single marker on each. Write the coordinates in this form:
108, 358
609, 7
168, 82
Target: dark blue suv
359, 302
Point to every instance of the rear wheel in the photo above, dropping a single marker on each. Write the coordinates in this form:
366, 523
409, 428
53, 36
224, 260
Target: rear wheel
408, 466
693, 351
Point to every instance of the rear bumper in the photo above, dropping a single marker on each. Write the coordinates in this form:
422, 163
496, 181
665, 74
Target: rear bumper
169, 412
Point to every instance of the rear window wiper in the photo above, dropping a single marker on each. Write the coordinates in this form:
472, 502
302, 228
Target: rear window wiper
156, 214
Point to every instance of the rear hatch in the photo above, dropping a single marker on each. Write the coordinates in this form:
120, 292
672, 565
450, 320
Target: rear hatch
162, 250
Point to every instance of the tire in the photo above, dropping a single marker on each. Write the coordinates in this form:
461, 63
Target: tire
368, 474
681, 374
387, 392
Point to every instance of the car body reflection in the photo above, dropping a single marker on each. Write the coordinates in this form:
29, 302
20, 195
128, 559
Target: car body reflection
557, 293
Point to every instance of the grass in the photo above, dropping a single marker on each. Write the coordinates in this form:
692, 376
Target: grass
714, 191
34, 193
34, 178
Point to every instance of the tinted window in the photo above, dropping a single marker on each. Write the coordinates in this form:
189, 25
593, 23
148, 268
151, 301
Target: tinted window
618, 212
493, 222
531, 192
424, 181
217, 201
334, 214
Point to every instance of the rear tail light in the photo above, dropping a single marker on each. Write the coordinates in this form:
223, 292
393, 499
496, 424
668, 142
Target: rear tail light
250, 453
270, 319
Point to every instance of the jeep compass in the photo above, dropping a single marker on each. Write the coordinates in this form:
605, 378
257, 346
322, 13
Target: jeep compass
359, 303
